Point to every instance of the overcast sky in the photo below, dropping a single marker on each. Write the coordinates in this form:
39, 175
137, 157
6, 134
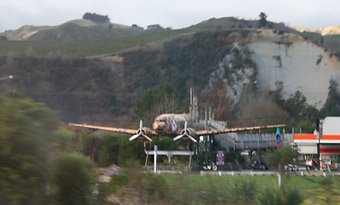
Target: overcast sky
168, 13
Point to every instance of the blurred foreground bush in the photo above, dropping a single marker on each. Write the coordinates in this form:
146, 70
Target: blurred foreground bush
74, 178
26, 129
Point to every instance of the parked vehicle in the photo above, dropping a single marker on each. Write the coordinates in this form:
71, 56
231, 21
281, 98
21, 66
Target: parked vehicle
295, 167
259, 163
210, 166
291, 167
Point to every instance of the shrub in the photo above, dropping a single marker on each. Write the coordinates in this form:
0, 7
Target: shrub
74, 178
244, 192
119, 181
26, 149
281, 197
154, 187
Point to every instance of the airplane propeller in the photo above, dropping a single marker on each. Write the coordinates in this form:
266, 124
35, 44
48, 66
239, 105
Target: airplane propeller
140, 133
185, 133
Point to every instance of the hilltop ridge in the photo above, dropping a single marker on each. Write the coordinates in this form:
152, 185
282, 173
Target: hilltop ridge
328, 30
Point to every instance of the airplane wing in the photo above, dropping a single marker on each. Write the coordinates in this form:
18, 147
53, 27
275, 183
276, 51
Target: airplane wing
236, 129
112, 129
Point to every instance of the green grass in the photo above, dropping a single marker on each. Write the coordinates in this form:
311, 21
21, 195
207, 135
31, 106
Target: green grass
315, 190
200, 183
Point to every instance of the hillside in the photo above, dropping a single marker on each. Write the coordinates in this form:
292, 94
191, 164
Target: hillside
71, 30
298, 64
73, 40
83, 31
95, 73
103, 89
23, 33
232, 23
329, 30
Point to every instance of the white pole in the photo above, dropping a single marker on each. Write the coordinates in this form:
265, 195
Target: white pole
155, 159
279, 179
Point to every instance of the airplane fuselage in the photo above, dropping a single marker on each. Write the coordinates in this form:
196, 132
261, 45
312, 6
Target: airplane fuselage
170, 124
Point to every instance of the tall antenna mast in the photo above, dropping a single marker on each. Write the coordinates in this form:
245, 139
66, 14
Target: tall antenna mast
193, 107
191, 104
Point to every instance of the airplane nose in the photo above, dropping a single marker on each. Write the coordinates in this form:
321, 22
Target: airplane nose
154, 126
157, 126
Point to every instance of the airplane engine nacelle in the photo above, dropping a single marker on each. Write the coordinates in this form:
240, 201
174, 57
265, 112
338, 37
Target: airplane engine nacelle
147, 131
142, 133
186, 133
189, 131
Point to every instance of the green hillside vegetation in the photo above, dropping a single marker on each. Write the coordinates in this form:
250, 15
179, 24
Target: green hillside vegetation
73, 32
331, 43
69, 86
77, 87
23, 32
70, 40
187, 58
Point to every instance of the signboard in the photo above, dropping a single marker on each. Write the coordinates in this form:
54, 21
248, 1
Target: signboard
219, 158
278, 138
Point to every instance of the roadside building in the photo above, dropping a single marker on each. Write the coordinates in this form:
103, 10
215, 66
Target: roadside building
322, 146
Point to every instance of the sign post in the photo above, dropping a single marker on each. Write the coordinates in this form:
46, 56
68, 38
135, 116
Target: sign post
155, 159
220, 158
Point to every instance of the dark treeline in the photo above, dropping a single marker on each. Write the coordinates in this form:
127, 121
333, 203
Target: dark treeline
96, 17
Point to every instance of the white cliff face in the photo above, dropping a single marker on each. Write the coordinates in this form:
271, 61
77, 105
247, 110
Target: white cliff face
299, 64
236, 78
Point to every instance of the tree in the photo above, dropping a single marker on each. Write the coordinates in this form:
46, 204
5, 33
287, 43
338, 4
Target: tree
256, 108
277, 159
5, 38
332, 104
97, 18
154, 187
218, 99
296, 106
74, 178
156, 101
263, 20
112, 149
25, 149
306, 126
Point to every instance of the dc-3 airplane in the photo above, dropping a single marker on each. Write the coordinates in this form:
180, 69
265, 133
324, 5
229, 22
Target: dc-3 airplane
171, 125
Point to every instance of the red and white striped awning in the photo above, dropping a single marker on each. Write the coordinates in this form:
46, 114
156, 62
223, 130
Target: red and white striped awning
305, 138
330, 139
